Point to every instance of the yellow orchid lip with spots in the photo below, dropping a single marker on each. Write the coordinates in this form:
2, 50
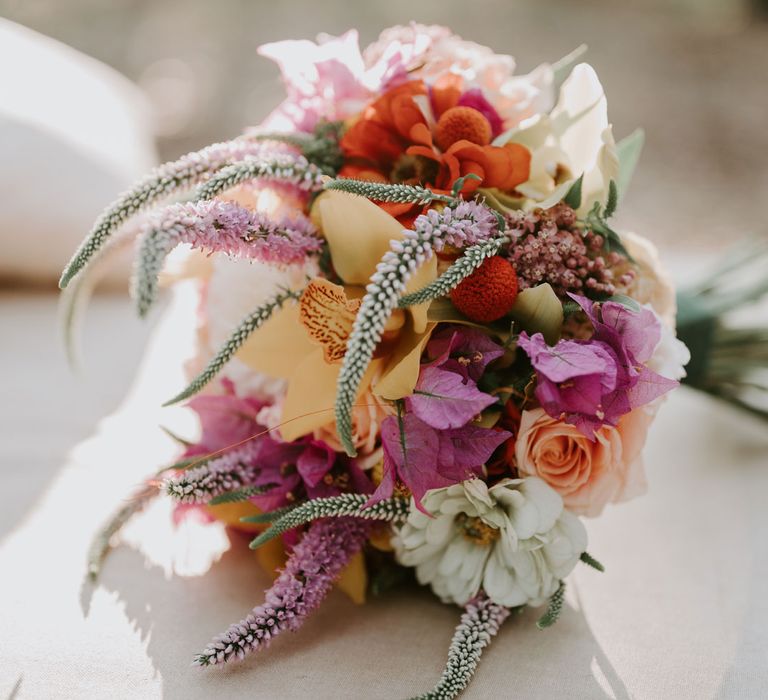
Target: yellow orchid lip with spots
304, 343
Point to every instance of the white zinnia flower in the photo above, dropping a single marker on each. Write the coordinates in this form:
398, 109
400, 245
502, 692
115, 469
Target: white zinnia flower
514, 540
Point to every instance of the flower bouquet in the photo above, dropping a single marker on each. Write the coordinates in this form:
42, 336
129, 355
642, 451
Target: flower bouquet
443, 355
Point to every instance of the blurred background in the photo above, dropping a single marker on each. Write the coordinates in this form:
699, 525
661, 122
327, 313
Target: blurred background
93, 94
691, 72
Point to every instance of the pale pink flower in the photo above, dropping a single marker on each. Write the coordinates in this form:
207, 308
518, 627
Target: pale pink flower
428, 52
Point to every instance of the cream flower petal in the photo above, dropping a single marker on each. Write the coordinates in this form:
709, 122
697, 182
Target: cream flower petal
580, 117
516, 568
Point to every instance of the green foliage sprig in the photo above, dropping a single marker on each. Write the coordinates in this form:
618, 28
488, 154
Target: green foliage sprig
100, 544
347, 504
472, 258
320, 148
239, 495
554, 608
401, 194
479, 623
167, 180
294, 170
245, 328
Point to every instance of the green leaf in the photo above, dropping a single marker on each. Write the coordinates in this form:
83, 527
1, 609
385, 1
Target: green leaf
613, 242
538, 310
591, 561
628, 150
573, 197
624, 300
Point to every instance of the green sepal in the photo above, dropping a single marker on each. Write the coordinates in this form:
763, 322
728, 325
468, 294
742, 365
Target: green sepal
573, 196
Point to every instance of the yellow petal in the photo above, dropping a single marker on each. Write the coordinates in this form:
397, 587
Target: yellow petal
271, 556
358, 233
402, 370
279, 345
381, 538
538, 310
230, 514
311, 395
353, 579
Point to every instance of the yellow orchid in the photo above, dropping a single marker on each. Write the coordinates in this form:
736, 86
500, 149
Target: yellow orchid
304, 343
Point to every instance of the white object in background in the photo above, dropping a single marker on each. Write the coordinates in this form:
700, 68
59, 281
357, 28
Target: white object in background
73, 134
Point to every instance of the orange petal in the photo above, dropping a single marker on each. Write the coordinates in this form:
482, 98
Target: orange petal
506, 166
520, 165
421, 134
328, 316
230, 514
406, 114
426, 151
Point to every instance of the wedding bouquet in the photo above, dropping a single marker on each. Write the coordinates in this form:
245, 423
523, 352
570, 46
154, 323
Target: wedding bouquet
444, 355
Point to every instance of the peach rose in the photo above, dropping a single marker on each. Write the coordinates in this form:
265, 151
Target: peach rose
586, 474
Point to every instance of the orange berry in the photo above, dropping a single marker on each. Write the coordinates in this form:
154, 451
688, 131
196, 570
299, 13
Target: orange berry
459, 123
489, 292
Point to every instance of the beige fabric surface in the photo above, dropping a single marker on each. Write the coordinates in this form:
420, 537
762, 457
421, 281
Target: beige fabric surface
681, 611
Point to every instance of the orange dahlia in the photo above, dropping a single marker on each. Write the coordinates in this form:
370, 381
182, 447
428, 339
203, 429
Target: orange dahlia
431, 136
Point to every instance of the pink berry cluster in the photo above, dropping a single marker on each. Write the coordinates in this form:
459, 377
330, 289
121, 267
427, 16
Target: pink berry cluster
547, 246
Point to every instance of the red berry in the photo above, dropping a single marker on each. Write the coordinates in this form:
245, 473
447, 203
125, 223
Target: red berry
488, 293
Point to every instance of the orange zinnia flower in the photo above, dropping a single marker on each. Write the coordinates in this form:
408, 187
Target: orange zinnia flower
415, 135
